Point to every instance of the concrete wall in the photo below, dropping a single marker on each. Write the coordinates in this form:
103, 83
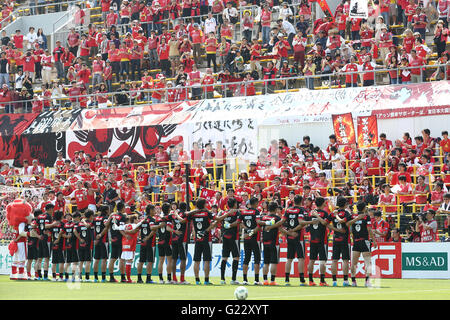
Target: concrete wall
44, 21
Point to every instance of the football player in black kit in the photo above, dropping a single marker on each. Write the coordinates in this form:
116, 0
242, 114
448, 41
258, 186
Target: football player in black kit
70, 250
147, 251
202, 220
56, 229
251, 231
44, 244
341, 239
101, 226
116, 239
83, 231
230, 240
272, 223
180, 242
318, 240
33, 244
294, 218
362, 232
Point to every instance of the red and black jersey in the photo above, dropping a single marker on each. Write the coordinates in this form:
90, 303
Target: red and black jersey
86, 233
231, 233
116, 236
270, 236
292, 216
69, 243
164, 236
55, 230
201, 220
99, 226
359, 228
41, 220
318, 232
250, 218
343, 215
182, 227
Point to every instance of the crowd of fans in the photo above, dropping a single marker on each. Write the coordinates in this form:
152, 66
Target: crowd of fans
189, 49
405, 182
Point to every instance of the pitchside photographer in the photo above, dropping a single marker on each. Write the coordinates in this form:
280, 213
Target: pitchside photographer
427, 226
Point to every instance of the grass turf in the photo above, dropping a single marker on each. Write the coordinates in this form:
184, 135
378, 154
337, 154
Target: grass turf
398, 289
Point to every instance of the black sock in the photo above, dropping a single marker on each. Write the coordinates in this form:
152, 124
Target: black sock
234, 268
139, 277
87, 275
61, 275
257, 277
245, 278
103, 275
197, 279
334, 277
54, 274
39, 273
367, 278
111, 275
272, 278
265, 277
122, 277
67, 275
96, 275
287, 276
169, 277
160, 276
345, 277
322, 278
302, 277
45, 273
206, 279
223, 266
149, 278
311, 277
353, 279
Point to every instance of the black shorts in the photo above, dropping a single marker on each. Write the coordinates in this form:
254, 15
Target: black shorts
271, 253
252, 246
230, 246
147, 253
295, 247
179, 250
164, 250
57, 256
203, 248
318, 249
116, 250
71, 255
44, 249
361, 246
85, 254
341, 249
101, 251
32, 252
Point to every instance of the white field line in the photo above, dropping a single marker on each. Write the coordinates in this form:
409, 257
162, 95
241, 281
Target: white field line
349, 293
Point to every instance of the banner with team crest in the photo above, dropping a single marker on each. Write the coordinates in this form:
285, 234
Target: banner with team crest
359, 9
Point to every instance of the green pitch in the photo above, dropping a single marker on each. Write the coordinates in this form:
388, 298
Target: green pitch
405, 289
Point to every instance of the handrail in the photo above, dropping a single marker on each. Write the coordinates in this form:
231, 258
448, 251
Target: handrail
227, 85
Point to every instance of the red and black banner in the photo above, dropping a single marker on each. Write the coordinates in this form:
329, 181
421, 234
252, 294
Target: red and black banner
15, 123
344, 128
367, 132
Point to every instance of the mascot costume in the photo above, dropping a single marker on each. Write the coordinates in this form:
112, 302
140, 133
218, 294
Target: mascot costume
18, 214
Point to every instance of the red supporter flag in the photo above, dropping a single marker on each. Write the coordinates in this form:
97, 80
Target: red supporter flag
367, 131
344, 128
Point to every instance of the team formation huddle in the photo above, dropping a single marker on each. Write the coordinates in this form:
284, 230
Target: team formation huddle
73, 241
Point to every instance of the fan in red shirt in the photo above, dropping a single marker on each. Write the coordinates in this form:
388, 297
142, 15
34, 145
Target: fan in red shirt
80, 195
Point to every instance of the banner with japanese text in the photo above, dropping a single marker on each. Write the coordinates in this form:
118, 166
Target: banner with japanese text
344, 128
367, 131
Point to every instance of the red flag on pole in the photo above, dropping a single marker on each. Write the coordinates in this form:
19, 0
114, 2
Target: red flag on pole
367, 131
344, 128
